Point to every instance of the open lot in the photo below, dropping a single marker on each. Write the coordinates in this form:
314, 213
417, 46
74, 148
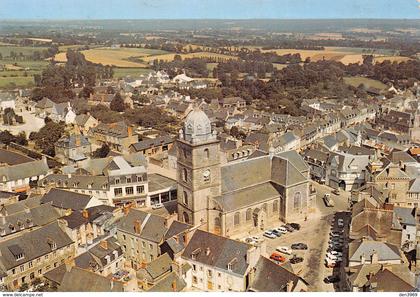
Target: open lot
370, 83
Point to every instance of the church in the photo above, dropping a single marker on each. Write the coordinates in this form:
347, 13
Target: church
246, 195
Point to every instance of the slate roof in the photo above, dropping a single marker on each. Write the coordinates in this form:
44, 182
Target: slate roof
159, 267
71, 141
96, 255
13, 158
222, 251
66, 199
33, 244
385, 251
24, 170
405, 215
154, 228
152, 142
166, 284
159, 182
270, 277
80, 280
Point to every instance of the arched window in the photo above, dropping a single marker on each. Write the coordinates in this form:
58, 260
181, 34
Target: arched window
206, 153
264, 207
186, 218
184, 174
236, 219
275, 206
248, 214
185, 197
217, 223
297, 200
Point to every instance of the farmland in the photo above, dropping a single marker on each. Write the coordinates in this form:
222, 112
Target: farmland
122, 72
119, 57
170, 57
370, 83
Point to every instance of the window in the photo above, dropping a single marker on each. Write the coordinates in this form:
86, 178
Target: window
118, 191
55, 264
206, 153
206, 175
264, 207
19, 257
184, 174
139, 178
219, 274
140, 189
13, 271
124, 237
46, 257
128, 180
39, 271
185, 196
194, 267
32, 275
275, 206
151, 246
30, 264
22, 268
248, 214
236, 219
297, 200
143, 244
129, 191
194, 280
117, 181
209, 273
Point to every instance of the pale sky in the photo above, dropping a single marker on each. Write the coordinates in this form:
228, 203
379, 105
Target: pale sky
210, 9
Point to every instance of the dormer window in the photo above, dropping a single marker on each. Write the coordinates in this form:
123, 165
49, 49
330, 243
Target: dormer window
12, 228
128, 180
2, 232
19, 257
195, 253
117, 181
52, 244
231, 264
29, 222
20, 224
139, 178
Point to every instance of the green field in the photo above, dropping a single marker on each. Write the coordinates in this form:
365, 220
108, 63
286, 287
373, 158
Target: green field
122, 72
25, 50
357, 80
11, 82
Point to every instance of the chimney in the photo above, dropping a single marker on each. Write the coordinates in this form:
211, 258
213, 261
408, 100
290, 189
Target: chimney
69, 175
85, 213
174, 286
137, 227
78, 140
129, 130
207, 251
126, 209
374, 258
289, 286
362, 259
104, 244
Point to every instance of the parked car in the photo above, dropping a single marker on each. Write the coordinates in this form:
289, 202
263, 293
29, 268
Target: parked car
277, 257
331, 279
335, 248
338, 233
255, 238
250, 240
276, 232
284, 250
295, 226
335, 253
289, 227
299, 246
340, 223
157, 206
336, 192
328, 201
282, 230
295, 259
334, 258
120, 274
269, 234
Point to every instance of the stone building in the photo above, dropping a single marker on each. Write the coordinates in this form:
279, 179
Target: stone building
226, 198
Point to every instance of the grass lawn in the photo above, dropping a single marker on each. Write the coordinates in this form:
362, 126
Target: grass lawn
25, 50
20, 81
357, 80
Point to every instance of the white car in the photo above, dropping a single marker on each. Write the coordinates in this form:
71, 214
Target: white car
250, 240
269, 234
334, 258
284, 250
255, 238
340, 223
157, 206
335, 253
336, 233
282, 230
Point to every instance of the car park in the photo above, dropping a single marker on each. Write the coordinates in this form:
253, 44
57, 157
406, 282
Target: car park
299, 246
277, 257
284, 250
269, 234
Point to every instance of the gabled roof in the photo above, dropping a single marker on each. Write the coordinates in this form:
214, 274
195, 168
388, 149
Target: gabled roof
66, 199
385, 251
217, 251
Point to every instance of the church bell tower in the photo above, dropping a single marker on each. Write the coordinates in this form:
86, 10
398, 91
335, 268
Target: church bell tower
198, 168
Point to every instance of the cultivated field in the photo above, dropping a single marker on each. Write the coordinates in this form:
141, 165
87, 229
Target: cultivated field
398, 59
5, 50
119, 57
370, 83
170, 57
123, 72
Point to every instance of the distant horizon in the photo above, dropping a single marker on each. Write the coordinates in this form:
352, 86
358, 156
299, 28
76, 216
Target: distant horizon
208, 9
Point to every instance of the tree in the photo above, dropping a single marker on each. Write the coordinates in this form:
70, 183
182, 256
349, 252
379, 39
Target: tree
86, 91
47, 136
6, 137
234, 131
24, 287
117, 103
101, 152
